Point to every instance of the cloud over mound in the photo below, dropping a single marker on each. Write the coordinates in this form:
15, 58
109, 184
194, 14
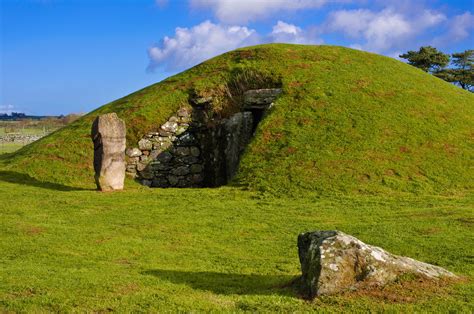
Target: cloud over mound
190, 46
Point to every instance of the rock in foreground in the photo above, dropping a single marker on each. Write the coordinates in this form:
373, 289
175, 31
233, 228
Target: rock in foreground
108, 135
333, 262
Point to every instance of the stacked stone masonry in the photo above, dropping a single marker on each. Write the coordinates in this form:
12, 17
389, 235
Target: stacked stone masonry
193, 150
170, 156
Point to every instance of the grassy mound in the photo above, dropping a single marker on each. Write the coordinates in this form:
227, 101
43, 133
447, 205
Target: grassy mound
347, 121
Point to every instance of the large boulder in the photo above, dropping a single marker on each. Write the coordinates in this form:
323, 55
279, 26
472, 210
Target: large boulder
108, 134
333, 262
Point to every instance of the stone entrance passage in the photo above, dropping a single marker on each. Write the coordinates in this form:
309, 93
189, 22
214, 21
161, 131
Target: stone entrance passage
192, 149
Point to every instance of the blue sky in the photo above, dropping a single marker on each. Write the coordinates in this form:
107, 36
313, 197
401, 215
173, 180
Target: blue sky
64, 56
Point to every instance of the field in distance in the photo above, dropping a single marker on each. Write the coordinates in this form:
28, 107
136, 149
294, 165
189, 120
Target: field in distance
15, 134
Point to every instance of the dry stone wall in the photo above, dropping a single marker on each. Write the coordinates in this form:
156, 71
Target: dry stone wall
170, 156
20, 138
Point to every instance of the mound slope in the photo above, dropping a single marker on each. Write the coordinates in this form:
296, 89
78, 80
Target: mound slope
347, 121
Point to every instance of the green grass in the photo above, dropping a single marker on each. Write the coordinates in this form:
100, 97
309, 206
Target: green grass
347, 122
9, 147
28, 127
144, 249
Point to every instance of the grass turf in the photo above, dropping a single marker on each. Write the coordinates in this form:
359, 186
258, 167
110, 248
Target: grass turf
10, 147
65, 249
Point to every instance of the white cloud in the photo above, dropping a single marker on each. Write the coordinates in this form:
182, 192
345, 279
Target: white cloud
243, 11
190, 46
8, 109
461, 26
383, 30
350, 22
285, 28
288, 33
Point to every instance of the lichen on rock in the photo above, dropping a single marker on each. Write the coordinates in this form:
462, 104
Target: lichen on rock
334, 262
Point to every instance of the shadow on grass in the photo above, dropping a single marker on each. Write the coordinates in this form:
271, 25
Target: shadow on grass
221, 283
21, 178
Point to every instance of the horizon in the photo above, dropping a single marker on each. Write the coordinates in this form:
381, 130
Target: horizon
75, 56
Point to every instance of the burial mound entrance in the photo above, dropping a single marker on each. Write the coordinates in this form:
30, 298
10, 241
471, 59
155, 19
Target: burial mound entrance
192, 149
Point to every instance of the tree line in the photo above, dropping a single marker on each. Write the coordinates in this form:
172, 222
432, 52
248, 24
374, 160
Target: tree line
457, 68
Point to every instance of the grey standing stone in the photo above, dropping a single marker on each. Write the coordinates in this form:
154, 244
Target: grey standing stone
108, 134
333, 262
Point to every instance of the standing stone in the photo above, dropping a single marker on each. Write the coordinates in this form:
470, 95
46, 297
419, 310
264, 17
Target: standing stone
108, 135
333, 262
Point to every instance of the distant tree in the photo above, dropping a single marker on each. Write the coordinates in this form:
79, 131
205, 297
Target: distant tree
427, 58
462, 72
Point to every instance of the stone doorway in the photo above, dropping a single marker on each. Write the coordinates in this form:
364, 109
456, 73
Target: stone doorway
192, 149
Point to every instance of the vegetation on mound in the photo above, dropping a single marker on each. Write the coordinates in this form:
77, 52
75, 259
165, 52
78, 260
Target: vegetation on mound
147, 250
347, 121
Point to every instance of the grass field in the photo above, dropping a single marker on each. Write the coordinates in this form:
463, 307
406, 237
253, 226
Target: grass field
9, 147
23, 127
66, 249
